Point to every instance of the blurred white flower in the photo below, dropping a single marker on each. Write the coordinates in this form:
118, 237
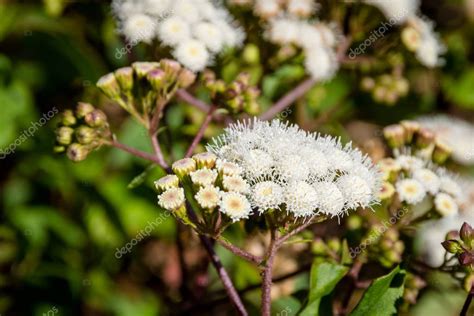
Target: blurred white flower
397, 12
139, 28
445, 204
410, 191
192, 54
174, 30
428, 179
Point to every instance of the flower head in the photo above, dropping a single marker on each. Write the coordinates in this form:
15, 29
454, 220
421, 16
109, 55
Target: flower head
208, 197
445, 204
410, 191
235, 184
204, 177
267, 195
172, 199
235, 205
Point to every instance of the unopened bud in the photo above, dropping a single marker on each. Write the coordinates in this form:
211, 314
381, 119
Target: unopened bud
109, 86
354, 222
395, 135
467, 235
243, 79
205, 160
186, 78
167, 182
402, 86
142, 68
96, 118
367, 84
452, 246
424, 138
156, 77
236, 104
466, 258
85, 135
68, 118
454, 234
441, 152
386, 191
124, 77
251, 54
184, 167
252, 93
252, 107
83, 109
411, 127
77, 152
64, 135
171, 68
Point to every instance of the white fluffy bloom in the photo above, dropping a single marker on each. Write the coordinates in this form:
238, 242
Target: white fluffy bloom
192, 54
409, 163
302, 8
188, 10
429, 47
301, 199
204, 177
428, 179
139, 28
208, 197
456, 133
278, 160
235, 184
321, 63
267, 195
235, 205
228, 168
210, 35
450, 186
284, 31
171, 199
174, 30
445, 204
158, 8
267, 8
410, 191
397, 12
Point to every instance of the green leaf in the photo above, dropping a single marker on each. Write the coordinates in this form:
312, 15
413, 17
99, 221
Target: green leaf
459, 90
324, 278
138, 180
381, 296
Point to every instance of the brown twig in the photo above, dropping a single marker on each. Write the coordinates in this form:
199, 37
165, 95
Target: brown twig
187, 97
201, 131
467, 303
239, 251
136, 152
267, 275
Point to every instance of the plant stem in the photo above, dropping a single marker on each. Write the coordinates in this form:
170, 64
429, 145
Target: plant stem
201, 131
467, 303
136, 152
267, 275
187, 97
239, 251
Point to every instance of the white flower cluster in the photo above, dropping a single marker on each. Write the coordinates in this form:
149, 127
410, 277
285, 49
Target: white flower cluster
417, 181
456, 133
288, 169
197, 30
418, 34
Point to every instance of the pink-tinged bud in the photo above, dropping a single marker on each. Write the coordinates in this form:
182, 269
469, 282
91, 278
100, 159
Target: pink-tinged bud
244, 79
170, 67
83, 109
186, 78
109, 86
143, 68
467, 235
466, 258
395, 135
156, 78
77, 152
124, 77
454, 234
424, 138
96, 118
68, 118
64, 135
452, 246
252, 93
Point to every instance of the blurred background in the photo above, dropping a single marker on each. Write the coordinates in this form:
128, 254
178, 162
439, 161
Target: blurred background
61, 223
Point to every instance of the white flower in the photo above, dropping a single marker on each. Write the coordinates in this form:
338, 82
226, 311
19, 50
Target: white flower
139, 28
428, 179
204, 177
158, 8
321, 63
302, 8
171, 199
235, 205
192, 54
167, 182
331, 199
174, 30
301, 199
267, 195
284, 31
450, 186
257, 162
410, 191
188, 10
429, 47
267, 8
456, 133
235, 184
356, 190
409, 163
397, 12
228, 168
445, 204
208, 197
210, 35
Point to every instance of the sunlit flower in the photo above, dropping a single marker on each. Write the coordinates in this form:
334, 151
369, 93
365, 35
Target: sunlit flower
204, 177
139, 28
410, 191
267, 195
192, 54
174, 30
167, 182
301, 199
171, 199
235, 184
428, 179
397, 12
356, 190
445, 204
208, 197
235, 205
228, 168
330, 198
302, 8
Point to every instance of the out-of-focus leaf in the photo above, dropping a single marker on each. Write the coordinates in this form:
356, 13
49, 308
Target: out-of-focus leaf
459, 90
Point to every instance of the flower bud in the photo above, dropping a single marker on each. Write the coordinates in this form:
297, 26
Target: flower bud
441, 152
454, 234
467, 235
466, 258
386, 191
64, 135
83, 109
68, 118
354, 222
379, 93
167, 182
424, 138
411, 127
367, 84
395, 135
156, 78
252, 107
171, 68
452, 246
96, 118
124, 77
205, 160
142, 68
183, 167
411, 38
77, 152
186, 78
402, 86
252, 93
251, 54
236, 104
109, 86
85, 135
243, 79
